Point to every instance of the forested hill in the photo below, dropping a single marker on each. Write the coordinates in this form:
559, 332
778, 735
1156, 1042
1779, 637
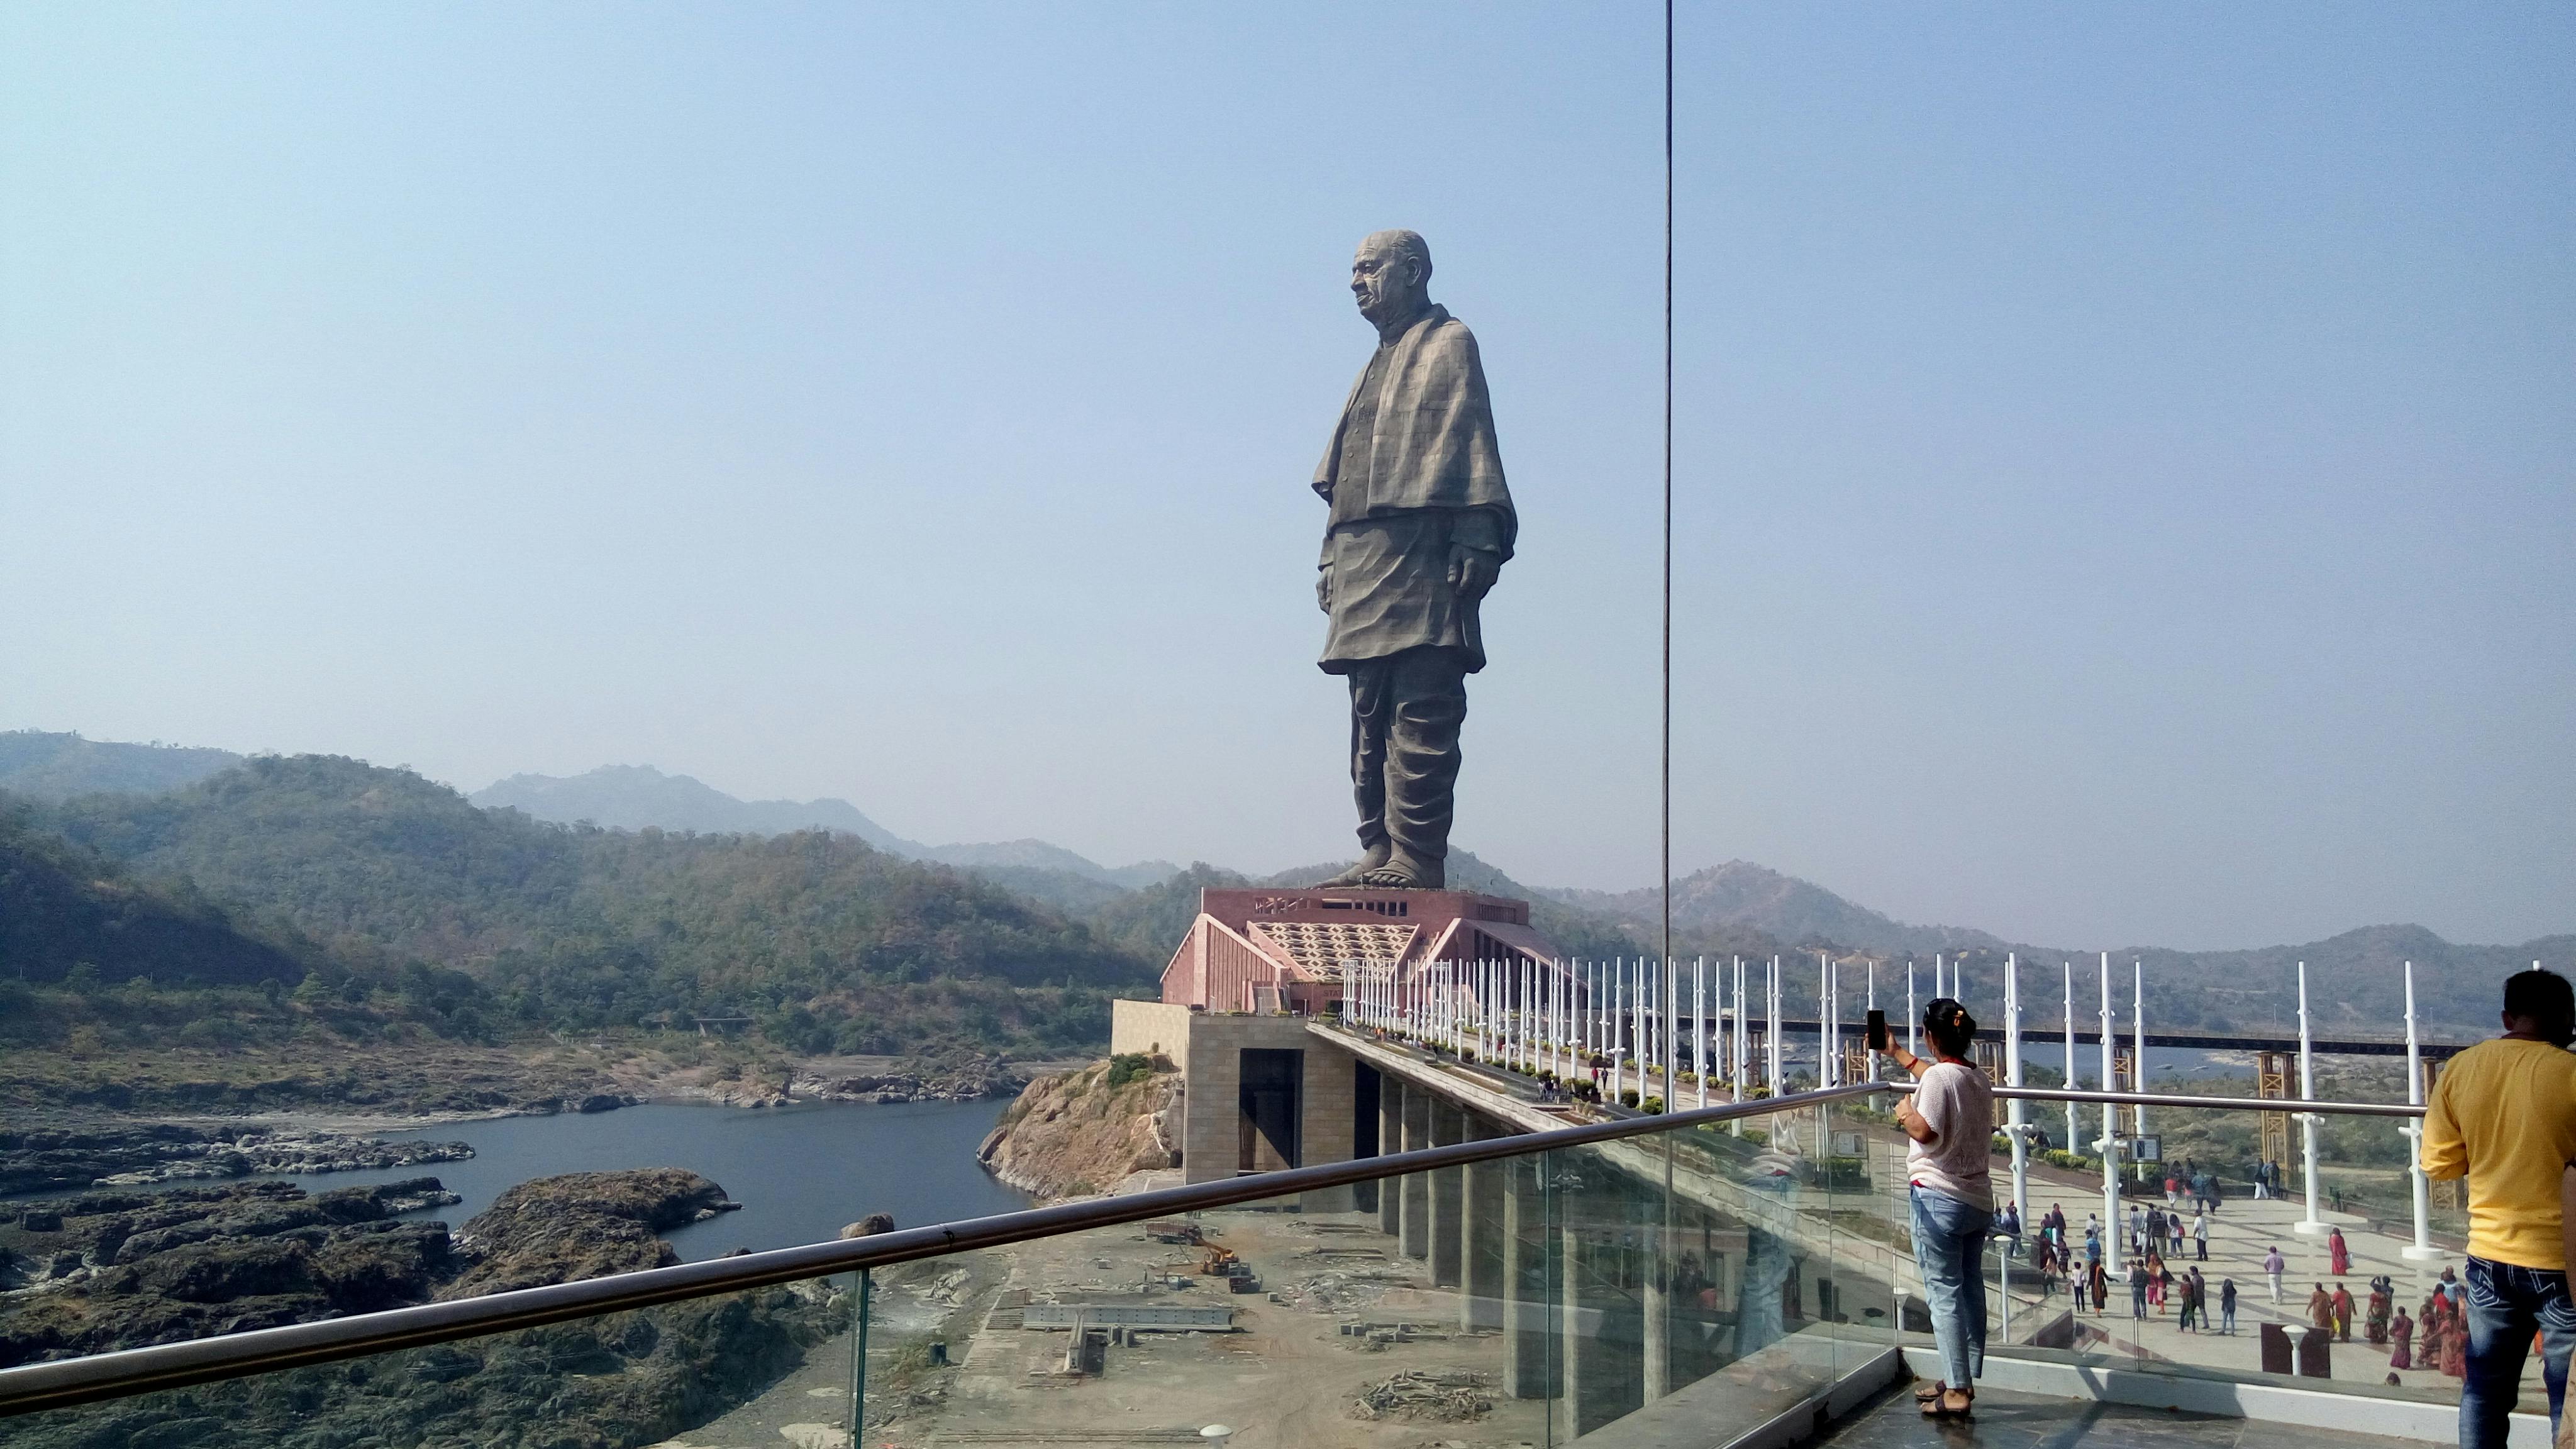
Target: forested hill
831, 944
63, 908
51, 766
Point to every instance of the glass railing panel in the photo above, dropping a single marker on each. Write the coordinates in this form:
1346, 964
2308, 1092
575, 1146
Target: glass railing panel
2214, 1226
634, 1378
1733, 1272
1704, 1274
1294, 1320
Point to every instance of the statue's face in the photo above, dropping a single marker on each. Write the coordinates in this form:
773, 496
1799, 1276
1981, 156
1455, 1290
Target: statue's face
1385, 283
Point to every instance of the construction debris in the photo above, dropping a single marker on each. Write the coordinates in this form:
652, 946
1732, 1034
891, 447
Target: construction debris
1454, 1397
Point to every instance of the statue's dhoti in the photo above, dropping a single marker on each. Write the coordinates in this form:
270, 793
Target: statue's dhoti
1405, 712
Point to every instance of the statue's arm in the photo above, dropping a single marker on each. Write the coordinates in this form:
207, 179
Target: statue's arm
1475, 551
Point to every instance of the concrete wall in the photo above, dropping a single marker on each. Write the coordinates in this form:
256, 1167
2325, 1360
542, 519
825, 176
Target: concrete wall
1207, 1046
1148, 1027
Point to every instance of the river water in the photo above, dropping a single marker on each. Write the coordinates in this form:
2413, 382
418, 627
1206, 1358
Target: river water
800, 1173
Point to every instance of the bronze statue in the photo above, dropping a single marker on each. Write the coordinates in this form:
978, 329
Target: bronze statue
1420, 526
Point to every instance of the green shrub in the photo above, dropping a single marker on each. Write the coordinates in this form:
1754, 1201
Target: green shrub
1128, 1067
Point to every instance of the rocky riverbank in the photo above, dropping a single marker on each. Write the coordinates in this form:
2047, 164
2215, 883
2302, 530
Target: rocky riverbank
58, 1159
118, 1269
1079, 1133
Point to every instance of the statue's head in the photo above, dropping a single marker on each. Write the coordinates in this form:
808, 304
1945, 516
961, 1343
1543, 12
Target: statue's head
1391, 276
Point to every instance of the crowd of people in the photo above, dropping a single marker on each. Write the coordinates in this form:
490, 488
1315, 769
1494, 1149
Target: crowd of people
2503, 1116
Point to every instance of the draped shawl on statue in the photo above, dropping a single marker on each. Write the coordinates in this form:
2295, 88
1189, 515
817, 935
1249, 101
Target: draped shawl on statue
1433, 445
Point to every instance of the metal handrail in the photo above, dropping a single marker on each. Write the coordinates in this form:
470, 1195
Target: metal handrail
65, 1383
2223, 1104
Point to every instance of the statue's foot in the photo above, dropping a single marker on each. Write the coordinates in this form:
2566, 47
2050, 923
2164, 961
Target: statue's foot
1405, 873
1358, 874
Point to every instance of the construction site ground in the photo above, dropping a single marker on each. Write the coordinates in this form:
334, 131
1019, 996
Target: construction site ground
1292, 1372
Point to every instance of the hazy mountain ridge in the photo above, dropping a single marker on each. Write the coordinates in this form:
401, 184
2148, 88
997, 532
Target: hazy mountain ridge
830, 942
640, 797
1735, 908
1740, 895
44, 765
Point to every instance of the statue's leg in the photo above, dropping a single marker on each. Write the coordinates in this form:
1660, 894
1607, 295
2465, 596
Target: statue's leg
1428, 692
1371, 706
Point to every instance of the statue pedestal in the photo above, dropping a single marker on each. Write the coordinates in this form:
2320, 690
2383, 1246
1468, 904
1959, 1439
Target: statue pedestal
1260, 949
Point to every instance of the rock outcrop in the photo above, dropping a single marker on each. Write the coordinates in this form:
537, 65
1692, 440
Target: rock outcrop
58, 1159
965, 1079
581, 1225
120, 1269
1073, 1134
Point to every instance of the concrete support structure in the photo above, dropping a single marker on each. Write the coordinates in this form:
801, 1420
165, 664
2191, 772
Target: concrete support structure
1655, 1303
1448, 1191
1391, 1093
1481, 1289
1527, 1284
1414, 1189
1587, 1377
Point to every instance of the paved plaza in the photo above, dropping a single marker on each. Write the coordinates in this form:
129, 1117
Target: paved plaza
2241, 1232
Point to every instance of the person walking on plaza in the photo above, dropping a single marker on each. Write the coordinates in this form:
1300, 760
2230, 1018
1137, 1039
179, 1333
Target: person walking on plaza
2137, 1230
2227, 1305
2383, 1297
2138, 1289
2101, 1279
2274, 1265
2321, 1309
2401, 1334
2173, 1235
2183, 1322
2200, 1235
1949, 1124
2338, 1256
2343, 1313
2503, 1115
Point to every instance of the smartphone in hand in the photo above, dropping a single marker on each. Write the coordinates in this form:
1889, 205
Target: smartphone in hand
1877, 1030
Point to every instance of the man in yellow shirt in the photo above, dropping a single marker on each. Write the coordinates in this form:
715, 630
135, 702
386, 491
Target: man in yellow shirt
2504, 1116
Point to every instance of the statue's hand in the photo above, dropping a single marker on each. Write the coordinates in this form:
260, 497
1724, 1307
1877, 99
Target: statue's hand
1472, 571
1324, 589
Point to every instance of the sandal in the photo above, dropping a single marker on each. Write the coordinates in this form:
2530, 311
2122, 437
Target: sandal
1926, 1393
1937, 1402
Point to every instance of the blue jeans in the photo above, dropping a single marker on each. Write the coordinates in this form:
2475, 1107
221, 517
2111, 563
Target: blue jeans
1759, 1320
1949, 1239
2506, 1303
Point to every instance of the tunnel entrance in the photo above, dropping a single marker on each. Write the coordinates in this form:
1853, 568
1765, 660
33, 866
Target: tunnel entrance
1272, 1109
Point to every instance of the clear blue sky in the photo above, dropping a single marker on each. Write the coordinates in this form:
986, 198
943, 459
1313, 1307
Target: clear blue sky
2124, 452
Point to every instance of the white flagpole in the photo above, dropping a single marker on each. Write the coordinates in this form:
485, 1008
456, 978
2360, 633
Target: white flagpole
2012, 1077
2310, 1226
2423, 1250
2110, 1143
1618, 1034
1699, 1026
2138, 1027
2073, 1138
1774, 1042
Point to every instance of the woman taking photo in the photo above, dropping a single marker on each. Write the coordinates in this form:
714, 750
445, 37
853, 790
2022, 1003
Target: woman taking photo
1950, 1121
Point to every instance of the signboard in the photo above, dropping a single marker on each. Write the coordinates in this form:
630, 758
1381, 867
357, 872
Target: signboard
2145, 1149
